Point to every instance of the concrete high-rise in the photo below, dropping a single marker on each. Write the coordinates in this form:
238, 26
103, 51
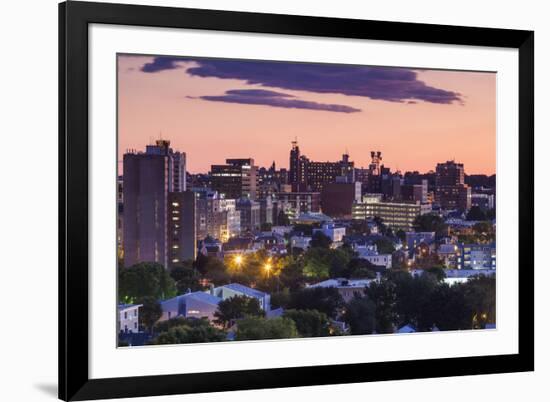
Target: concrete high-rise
150, 178
181, 226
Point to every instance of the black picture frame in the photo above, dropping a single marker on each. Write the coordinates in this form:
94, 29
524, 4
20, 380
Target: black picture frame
74, 18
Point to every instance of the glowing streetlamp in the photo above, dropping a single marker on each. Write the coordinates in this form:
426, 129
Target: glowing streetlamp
267, 268
238, 260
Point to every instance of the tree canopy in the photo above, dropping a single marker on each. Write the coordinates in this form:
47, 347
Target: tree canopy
309, 323
186, 277
145, 279
361, 315
319, 239
430, 223
201, 333
253, 328
150, 312
235, 308
325, 300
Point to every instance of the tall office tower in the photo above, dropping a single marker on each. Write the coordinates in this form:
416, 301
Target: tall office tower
298, 168
294, 164
250, 214
181, 227
450, 190
237, 179
149, 178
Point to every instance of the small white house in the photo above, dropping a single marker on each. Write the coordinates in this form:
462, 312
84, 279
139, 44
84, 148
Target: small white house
372, 256
301, 242
128, 317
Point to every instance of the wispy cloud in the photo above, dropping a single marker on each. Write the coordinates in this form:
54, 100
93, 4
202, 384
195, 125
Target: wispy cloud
275, 99
380, 83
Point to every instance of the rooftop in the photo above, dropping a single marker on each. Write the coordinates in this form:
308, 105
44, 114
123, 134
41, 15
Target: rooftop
342, 282
122, 307
245, 290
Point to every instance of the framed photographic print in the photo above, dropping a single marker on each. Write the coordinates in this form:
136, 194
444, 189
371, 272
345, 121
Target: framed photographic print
258, 201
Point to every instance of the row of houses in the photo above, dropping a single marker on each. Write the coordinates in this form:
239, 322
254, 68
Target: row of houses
201, 304
349, 288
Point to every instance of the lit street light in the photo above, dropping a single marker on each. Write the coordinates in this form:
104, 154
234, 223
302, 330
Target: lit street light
267, 268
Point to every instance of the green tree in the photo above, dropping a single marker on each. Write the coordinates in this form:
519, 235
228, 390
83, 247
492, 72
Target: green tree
316, 264
215, 271
266, 227
186, 277
438, 272
384, 245
150, 312
164, 326
430, 223
480, 297
145, 279
361, 268
320, 240
237, 307
384, 296
282, 219
322, 263
309, 323
325, 300
190, 334
413, 295
253, 328
339, 261
292, 274
280, 299
401, 235
446, 309
475, 214
361, 315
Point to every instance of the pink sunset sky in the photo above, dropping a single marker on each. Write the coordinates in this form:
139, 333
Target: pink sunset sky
217, 109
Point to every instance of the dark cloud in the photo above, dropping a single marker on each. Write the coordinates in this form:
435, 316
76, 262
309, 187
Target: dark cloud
275, 99
381, 83
161, 64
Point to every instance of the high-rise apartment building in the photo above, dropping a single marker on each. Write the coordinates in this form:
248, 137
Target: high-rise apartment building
450, 190
181, 226
149, 179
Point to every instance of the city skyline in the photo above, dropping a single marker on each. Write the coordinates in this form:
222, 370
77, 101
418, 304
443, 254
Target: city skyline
165, 97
